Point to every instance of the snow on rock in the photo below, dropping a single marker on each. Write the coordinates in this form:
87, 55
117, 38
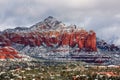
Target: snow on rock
51, 38
46, 34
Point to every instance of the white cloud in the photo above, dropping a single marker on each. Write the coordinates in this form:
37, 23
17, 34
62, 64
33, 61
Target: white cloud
117, 42
103, 16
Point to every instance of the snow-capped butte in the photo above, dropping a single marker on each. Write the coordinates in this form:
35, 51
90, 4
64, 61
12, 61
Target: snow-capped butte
52, 34
51, 38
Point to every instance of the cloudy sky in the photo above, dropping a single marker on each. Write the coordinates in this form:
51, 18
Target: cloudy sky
102, 16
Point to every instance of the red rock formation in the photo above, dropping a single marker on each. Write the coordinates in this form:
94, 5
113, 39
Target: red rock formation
65, 38
4, 41
72, 39
8, 53
91, 41
82, 38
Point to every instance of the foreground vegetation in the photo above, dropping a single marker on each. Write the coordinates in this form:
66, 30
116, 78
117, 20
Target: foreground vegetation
49, 70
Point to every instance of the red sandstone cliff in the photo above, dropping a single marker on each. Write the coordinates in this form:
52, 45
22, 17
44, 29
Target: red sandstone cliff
81, 38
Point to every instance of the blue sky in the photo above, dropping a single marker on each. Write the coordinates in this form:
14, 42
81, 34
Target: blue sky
102, 16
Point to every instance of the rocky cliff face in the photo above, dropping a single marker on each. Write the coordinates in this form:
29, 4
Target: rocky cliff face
50, 33
51, 38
